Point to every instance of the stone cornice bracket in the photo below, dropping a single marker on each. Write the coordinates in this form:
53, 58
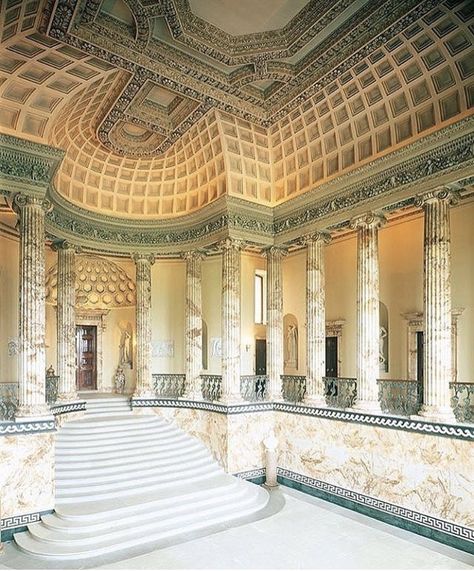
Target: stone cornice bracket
193, 255
139, 256
274, 251
450, 195
230, 244
65, 245
324, 237
368, 220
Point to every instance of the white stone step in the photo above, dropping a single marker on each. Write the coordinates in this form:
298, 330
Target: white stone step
84, 444
143, 534
108, 425
116, 434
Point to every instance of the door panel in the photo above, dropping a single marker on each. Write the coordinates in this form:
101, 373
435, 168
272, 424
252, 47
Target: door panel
331, 357
260, 356
86, 357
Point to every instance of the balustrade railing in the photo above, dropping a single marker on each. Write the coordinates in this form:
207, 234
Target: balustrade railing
340, 392
293, 387
169, 385
253, 387
211, 387
52, 387
8, 401
462, 401
402, 397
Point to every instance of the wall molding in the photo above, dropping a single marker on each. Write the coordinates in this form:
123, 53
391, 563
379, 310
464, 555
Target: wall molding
34, 427
432, 527
17, 523
68, 407
203, 405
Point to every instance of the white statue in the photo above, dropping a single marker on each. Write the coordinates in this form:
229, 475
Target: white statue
292, 345
126, 348
119, 380
382, 336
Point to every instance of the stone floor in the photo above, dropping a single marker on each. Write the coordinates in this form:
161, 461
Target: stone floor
307, 533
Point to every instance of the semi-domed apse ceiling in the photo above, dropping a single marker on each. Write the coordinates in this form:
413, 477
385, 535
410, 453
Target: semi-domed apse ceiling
163, 106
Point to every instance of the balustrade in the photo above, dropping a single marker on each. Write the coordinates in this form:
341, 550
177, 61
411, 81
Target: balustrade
340, 392
211, 387
52, 387
8, 401
254, 387
169, 385
462, 401
293, 387
400, 396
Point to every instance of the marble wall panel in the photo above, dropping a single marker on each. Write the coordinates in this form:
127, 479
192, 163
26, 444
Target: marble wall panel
429, 474
27, 474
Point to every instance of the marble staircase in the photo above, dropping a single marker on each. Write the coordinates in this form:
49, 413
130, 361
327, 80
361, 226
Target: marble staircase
125, 481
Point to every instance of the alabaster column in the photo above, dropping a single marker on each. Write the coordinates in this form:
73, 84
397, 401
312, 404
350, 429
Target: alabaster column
32, 320
315, 318
66, 320
230, 320
437, 359
275, 355
144, 385
193, 324
367, 311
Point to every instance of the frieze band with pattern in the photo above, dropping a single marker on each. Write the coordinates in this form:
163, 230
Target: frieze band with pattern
9, 428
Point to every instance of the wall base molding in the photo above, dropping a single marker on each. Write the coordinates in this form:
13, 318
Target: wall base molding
17, 523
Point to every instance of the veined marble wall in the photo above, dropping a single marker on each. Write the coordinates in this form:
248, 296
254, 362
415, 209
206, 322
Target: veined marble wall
27, 474
429, 474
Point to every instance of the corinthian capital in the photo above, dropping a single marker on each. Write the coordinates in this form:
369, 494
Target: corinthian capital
231, 244
274, 252
193, 255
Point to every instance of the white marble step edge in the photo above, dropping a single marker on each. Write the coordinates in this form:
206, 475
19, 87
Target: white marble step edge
64, 470
117, 492
130, 475
109, 513
73, 534
80, 444
109, 423
197, 520
104, 510
139, 430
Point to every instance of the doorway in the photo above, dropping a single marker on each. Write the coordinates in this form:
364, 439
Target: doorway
260, 356
331, 357
419, 355
86, 357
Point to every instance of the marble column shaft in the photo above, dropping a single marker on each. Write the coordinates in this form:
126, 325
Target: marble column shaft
315, 318
144, 385
437, 360
231, 265
193, 323
66, 320
368, 325
275, 356
32, 319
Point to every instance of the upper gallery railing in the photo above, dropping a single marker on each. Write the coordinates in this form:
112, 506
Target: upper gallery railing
211, 387
8, 401
340, 392
401, 397
52, 386
253, 387
293, 387
169, 385
462, 401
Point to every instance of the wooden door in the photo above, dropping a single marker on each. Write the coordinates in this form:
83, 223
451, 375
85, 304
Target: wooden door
260, 356
419, 355
331, 356
86, 357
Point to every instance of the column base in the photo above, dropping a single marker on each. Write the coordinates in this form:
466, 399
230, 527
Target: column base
143, 394
436, 414
67, 397
367, 406
317, 402
231, 399
33, 412
192, 395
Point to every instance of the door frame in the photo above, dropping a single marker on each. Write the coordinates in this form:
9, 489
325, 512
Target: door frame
82, 330
95, 317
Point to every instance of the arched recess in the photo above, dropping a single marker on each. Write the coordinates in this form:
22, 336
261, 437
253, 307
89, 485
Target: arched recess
204, 346
290, 344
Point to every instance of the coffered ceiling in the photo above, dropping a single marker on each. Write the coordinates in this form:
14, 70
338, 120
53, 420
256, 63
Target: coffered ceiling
163, 106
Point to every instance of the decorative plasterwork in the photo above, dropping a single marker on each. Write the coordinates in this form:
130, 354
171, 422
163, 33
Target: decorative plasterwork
100, 283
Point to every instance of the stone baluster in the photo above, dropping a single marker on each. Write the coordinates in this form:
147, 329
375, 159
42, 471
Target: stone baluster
315, 318
144, 384
231, 320
368, 325
193, 323
66, 320
32, 320
437, 320
275, 355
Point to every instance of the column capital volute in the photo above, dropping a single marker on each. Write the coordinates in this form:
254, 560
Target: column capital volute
274, 252
57, 245
230, 244
314, 237
368, 220
444, 194
193, 255
21, 200
141, 257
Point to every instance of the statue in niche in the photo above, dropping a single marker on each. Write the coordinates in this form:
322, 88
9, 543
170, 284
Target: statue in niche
119, 380
382, 359
126, 348
383, 338
292, 346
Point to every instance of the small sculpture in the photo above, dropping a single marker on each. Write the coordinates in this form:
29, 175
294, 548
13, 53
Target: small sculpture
50, 371
119, 380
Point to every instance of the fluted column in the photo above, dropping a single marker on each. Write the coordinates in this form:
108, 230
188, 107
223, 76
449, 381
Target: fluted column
193, 323
437, 359
144, 385
315, 318
367, 310
32, 319
230, 320
66, 320
275, 357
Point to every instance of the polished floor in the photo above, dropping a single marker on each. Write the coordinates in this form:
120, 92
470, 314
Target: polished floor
306, 533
